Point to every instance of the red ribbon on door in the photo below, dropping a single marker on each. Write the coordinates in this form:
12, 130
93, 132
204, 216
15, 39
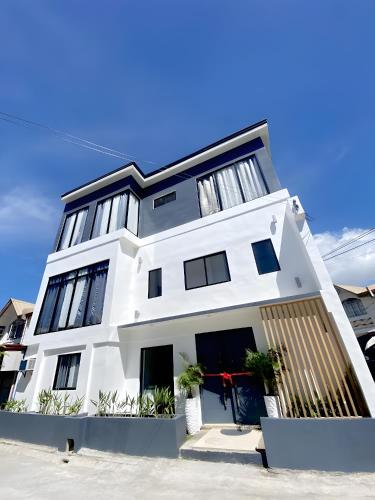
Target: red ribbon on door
227, 378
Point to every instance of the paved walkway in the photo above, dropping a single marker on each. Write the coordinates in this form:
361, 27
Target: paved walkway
33, 474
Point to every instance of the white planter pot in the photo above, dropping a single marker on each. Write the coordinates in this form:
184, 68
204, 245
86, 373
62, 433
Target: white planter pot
192, 415
273, 406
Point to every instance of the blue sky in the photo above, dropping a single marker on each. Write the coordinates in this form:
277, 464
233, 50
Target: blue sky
161, 79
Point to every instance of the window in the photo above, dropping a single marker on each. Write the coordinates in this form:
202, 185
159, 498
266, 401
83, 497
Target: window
74, 299
73, 229
353, 307
167, 198
16, 330
156, 368
154, 283
205, 271
265, 257
67, 371
115, 213
243, 181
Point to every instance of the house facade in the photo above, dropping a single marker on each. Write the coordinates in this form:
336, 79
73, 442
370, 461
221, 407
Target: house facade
208, 256
15, 318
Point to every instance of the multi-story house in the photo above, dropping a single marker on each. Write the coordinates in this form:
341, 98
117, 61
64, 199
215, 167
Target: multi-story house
207, 256
15, 318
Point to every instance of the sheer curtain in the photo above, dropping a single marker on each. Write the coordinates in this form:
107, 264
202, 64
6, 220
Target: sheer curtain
133, 208
118, 213
228, 186
96, 297
77, 310
45, 317
67, 231
73, 371
207, 196
79, 227
252, 182
101, 218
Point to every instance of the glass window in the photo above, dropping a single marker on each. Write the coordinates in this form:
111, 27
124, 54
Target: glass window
241, 182
74, 299
265, 257
72, 232
115, 213
353, 307
67, 371
209, 270
16, 330
167, 198
156, 368
154, 283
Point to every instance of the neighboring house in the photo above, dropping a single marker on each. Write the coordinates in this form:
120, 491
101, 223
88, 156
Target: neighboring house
15, 317
359, 305
208, 256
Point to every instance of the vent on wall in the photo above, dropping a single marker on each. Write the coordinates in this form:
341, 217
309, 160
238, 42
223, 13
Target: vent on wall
27, 365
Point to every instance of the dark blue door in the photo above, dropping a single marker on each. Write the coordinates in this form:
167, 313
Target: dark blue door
239, 400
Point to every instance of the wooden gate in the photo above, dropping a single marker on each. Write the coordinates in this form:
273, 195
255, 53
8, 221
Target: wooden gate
314, 378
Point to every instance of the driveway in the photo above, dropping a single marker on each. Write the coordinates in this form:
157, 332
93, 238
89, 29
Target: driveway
30, 473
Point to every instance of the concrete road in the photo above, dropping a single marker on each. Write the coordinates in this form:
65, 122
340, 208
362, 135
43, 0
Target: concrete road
33, 473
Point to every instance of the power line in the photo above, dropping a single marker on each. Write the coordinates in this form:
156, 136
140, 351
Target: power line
350, 249
66, 137
349, 242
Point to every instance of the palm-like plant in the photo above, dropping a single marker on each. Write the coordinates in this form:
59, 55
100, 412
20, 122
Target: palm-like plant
264, 367
191, 377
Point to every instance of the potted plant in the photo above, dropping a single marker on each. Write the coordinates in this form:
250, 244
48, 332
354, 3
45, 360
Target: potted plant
188, 382
265, 367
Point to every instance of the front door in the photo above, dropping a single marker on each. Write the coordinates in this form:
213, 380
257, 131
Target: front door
239, 399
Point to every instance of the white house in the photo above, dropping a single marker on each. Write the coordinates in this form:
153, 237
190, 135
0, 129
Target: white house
209, 255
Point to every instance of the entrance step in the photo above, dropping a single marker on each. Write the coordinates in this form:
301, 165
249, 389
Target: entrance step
231, 444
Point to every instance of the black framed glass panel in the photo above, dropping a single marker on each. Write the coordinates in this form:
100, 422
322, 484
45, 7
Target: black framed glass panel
265, 257
208, 270
72, 232
154, 283
163, 200
67, 369
157, 368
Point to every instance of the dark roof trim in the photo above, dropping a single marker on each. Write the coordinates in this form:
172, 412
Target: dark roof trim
170, 165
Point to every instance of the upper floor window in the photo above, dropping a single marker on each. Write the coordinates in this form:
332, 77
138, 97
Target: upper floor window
265, 257
205, 271
74, 299
73, 229
241, 182
154, 283
353, 307
163, 200
16, 329
66, 375
115, 213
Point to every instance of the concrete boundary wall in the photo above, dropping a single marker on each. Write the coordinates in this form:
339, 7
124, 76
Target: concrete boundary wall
329, 444
149, 437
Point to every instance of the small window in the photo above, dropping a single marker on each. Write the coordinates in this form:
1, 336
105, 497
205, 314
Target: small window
354, 307
265, 257
67, 371
209, 270
154, 283
16, 329
163, 200
156, 368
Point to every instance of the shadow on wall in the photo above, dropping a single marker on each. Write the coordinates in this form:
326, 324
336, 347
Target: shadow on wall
23, 382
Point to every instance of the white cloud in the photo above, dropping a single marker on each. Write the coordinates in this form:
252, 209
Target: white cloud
352, 268
26, 214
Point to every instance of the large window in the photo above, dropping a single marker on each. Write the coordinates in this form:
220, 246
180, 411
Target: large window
72, 232
265, 257
115, 213
243, 181
353, 307
67, 371
154, 283
74, 299
205, 271
156, 368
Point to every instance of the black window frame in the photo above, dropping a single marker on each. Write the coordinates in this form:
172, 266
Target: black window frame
204, 257
276, 260
215, 171
58, 249
168, 347
90, 274
103, 200
164, 199
60, 358
18, 324
159, 269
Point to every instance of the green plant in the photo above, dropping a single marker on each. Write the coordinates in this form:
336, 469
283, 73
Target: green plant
164, 401
16, 406
264, 367
191, 377
54, 403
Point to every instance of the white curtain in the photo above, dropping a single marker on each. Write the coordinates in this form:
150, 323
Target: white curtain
251, 179
228, 186
207, 196
67, 231
132, 224
79, 227
118, 213
79, 301
65, 304
73, 371
101, 218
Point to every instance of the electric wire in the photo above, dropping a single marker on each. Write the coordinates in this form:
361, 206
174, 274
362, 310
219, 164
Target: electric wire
349, 242
349, 250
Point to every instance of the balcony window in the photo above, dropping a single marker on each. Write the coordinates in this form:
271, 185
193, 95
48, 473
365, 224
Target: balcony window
72, 232
354, 307
67, 372
230, 186
204, 271
74, 299
116, 213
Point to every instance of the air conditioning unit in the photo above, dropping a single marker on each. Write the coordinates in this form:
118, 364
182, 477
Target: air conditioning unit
27, 365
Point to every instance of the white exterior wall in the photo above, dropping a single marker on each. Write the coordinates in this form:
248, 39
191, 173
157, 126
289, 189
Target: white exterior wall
110, 356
